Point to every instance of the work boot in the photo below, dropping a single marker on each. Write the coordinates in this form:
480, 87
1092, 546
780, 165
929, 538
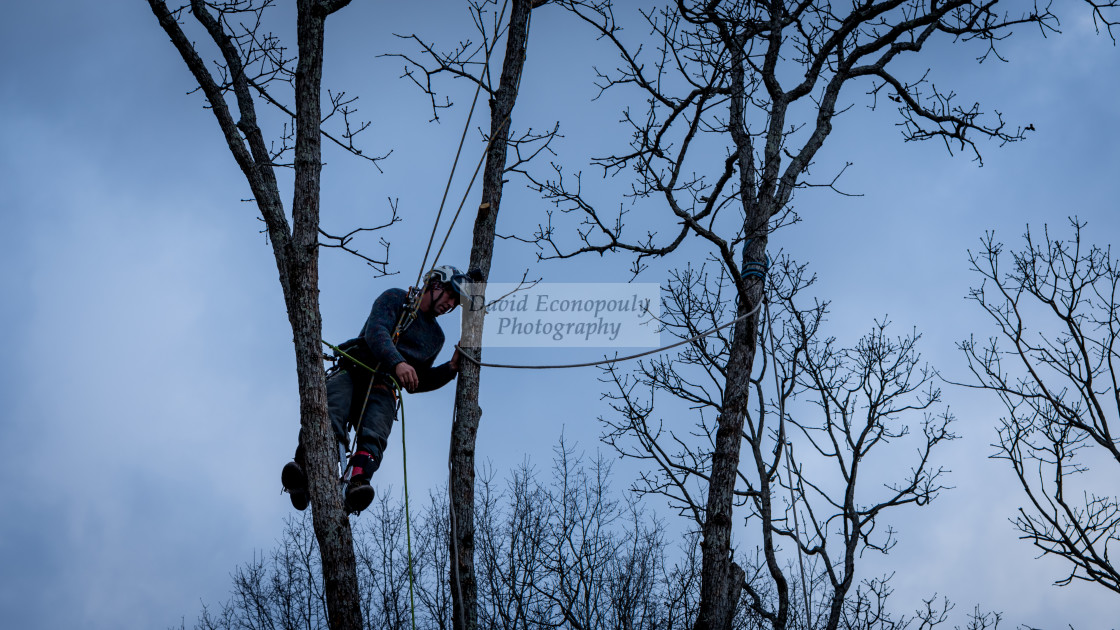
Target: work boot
359, 494
295, 482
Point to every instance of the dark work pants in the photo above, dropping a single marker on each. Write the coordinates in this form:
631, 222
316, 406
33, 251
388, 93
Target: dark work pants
344, 404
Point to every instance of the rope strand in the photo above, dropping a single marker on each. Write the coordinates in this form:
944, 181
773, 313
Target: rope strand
407, 514
466, 194
706, 333
450, 177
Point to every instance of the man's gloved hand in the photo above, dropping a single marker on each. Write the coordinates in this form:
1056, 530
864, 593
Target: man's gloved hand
406, 376
455, 360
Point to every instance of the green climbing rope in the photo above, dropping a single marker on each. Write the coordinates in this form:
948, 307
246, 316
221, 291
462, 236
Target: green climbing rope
407, 515
404, 464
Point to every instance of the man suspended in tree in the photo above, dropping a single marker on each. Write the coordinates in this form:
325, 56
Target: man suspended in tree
399, 341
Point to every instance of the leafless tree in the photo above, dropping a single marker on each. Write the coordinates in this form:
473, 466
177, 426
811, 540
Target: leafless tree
255, 72
509, 529
732, 101
553, 552
471, 61
825, 438
282, 590
556, 550
383, 560
1054, 364
601, 559
432, 562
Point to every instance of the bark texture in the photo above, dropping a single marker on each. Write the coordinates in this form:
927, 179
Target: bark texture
296, 253
464, 430
332, 527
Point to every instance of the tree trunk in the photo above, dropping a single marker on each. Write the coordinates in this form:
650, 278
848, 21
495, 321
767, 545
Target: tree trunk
332, 526
464, 429
721, 579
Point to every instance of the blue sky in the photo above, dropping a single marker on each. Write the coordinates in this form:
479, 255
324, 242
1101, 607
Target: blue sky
148, 396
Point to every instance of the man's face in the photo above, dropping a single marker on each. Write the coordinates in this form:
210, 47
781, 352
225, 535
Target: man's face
444, 301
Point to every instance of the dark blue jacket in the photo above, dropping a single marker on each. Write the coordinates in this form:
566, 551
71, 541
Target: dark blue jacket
418, 345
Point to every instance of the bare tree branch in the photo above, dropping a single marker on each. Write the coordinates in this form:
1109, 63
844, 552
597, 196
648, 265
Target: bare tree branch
1058, 309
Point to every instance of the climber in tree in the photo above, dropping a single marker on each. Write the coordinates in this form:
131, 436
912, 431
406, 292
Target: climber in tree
400, 339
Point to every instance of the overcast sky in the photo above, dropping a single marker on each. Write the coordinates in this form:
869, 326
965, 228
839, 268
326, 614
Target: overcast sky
148, 392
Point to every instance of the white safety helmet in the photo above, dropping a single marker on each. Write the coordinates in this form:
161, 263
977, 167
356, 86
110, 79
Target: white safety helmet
450, 278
